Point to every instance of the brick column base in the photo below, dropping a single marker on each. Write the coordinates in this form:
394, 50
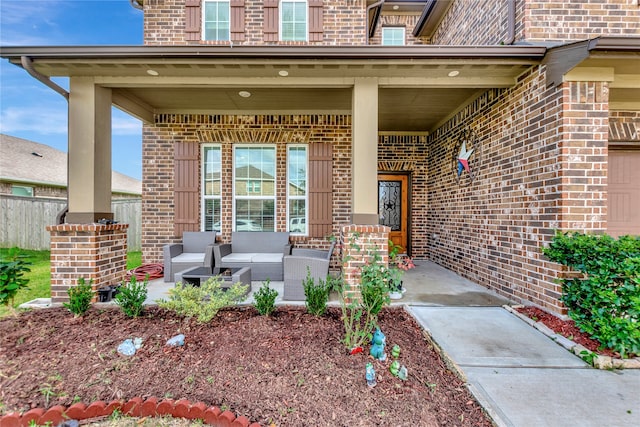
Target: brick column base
92, 251
360, 243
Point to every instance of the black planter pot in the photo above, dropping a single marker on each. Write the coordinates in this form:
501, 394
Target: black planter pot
104, 293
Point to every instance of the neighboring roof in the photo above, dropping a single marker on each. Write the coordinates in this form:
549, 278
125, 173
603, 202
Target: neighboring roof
29, 162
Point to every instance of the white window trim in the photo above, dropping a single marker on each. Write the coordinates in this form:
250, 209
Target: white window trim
203, 13
306, 192
203, 196
275, 184
306, 20
404, 35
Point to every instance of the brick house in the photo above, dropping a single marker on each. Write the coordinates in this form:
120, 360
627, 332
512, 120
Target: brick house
486, 125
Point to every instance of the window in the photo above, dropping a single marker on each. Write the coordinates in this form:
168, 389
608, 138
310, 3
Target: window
293, 20
297, 188
216, 22
211, 187
254, 183
393, 36
21, 190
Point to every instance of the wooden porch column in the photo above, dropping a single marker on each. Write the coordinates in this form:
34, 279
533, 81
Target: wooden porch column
365, 152
89, 156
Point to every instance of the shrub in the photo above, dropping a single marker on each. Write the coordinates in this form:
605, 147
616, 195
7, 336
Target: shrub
316, 296
265, 298
79, 297
131, 297
203, 302
12, 278
605, 301
375, 280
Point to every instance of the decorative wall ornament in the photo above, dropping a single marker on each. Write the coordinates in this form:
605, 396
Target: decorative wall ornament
465, 155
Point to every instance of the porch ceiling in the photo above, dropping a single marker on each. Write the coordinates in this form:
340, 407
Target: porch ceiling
416, 89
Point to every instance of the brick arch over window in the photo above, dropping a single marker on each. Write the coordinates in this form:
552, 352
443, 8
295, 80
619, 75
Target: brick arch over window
187, 175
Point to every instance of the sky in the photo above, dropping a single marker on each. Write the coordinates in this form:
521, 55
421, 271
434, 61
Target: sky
31, 110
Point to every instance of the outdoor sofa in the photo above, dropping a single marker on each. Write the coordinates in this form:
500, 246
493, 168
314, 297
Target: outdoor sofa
296, 266
196, 250
262, 251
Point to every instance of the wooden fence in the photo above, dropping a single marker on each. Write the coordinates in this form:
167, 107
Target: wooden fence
23, 220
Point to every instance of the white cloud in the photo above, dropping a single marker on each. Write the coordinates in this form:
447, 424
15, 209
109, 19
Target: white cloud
40, 119
53, 120
27, 23
126, 126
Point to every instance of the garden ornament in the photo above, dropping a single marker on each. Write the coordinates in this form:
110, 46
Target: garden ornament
395, 351
370, 375
402, 373
394, 368
377, 346
177, 341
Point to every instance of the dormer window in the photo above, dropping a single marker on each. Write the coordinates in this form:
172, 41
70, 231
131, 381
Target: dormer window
293, 20
216, 22
393, 36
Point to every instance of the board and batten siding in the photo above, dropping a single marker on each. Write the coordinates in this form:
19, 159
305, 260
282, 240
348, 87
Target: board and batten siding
23, 221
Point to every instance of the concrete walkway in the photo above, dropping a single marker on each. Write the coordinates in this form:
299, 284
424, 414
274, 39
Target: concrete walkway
522, 378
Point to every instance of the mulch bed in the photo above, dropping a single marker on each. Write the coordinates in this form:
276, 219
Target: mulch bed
290, 369
567, 329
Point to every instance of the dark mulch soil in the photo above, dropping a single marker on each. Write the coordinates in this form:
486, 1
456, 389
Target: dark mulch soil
289, 369
568, 329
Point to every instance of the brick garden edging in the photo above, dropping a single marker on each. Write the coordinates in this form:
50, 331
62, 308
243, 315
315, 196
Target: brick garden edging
600, 362
135, 407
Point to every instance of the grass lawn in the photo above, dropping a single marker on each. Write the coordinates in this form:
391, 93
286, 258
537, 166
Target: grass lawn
40, 275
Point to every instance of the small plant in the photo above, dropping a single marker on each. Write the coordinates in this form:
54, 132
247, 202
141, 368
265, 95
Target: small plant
12, 278
265, 299
359, 323
132, 296
316, 296
203, 302
46, 390
79, 297
375, 281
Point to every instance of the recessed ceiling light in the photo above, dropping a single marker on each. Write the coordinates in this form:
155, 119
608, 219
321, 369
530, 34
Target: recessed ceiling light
453, 73
283, 73
244, 93
152, 72
396, 7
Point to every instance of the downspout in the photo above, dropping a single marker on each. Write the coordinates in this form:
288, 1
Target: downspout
27, 64
511, 22
369, 8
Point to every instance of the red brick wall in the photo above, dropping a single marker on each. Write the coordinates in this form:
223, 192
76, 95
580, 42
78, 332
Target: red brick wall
491, 231
477, 23
89, 251
624, 126
359, 245
158, 164
548, 20
485, 23
344, 24
408, 153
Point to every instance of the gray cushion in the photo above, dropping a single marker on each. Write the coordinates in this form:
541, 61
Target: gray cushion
188, 257
238, 257
267, 258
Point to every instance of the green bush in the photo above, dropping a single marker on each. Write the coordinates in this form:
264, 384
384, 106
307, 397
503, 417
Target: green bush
131, 297
375, 279
79, 297
12, 279
265, 298
203, 302
605, 301
316, 296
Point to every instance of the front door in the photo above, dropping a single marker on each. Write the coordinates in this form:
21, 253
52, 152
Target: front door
393, 207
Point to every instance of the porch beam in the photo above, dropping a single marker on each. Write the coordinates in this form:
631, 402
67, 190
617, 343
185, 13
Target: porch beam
365, 152
89, 156
132, 105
